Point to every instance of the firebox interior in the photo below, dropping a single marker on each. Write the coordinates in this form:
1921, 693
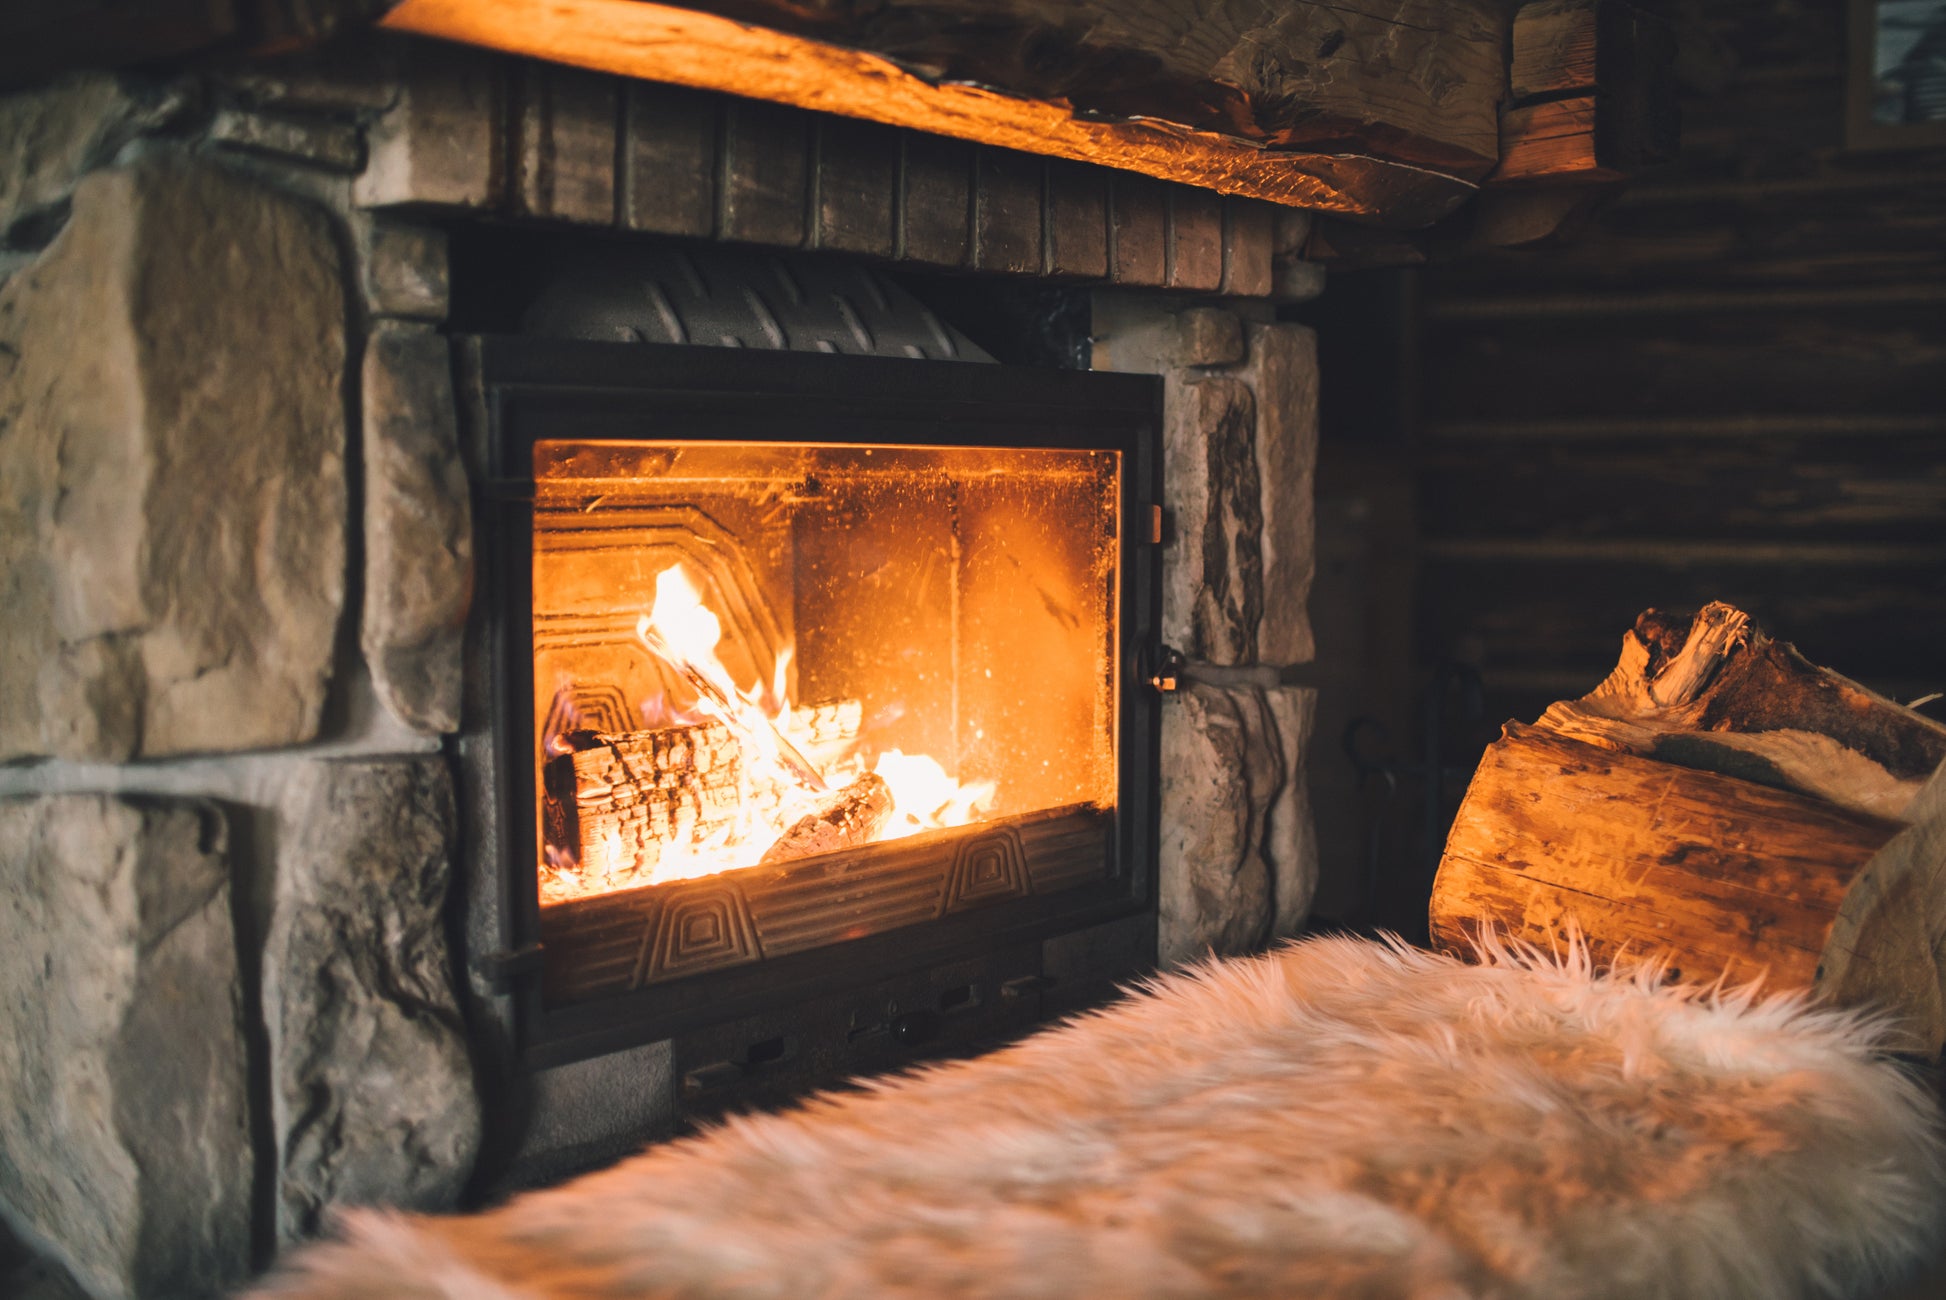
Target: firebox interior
749, 653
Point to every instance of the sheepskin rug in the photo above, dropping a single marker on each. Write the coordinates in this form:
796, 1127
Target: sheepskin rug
1341, 1118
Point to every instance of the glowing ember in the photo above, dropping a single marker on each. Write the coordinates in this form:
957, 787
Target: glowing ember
725, 775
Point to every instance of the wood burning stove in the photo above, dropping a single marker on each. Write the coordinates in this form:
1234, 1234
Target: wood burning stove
807, 675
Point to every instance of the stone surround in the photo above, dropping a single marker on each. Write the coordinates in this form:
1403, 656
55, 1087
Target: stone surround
1239, 857
235, 576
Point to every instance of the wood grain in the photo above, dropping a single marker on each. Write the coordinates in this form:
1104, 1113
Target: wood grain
1554, 140
1724, 876
1367, 164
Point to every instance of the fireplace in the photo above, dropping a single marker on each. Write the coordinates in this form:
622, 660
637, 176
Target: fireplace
359, 626
848, 680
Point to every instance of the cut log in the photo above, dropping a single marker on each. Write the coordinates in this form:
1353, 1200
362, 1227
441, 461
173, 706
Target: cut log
1715, 692
1720, 875
616, 802
1723, 806
853, 816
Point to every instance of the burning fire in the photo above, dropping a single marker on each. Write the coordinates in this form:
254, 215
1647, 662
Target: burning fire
776, 803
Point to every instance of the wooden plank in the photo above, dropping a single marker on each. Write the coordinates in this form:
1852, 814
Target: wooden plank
1358, 163
669, 163
1871, 358
856, 186
1796, 126
1553, 140
1849, 489
1893, 232
1677, 428
766, 174
1292, 74
1768, 298
1884, 624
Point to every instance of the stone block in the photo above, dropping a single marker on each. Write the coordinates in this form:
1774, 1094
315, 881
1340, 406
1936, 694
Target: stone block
1221, 516
418, 528
1283, 372
668, 159
1139, 224
404, 270
172, 494
1295, 280
938, 200
346, 76
372, 1092
124, 1110
437, 143
1290, 834
1212, 574
564, 167
1289, 229
308, 140
857, 170
1008, 216
1248, 237
1215, 885
1208, 336
1077, 220
1240, 444
1195, 239
52, 136
766, 173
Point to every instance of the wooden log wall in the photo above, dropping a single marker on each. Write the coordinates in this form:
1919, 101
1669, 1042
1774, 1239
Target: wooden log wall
1731, 386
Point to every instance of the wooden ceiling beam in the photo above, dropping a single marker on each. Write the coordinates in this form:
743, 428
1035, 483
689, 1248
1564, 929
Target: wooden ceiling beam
1300, 154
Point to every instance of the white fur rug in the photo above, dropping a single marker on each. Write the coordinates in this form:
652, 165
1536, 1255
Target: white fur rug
1338, 1119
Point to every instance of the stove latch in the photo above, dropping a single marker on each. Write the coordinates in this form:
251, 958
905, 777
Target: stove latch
1168, 670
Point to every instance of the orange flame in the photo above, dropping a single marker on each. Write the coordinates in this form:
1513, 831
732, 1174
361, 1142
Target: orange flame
777, 785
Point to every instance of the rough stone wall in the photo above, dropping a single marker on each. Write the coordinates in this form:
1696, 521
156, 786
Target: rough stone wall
1239, 854
124, 1134
227, 1002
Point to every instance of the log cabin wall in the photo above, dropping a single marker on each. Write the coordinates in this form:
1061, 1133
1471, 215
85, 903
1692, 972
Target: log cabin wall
1730, 385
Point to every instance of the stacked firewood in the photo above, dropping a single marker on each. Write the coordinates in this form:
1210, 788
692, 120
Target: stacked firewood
1724, 806
616, 804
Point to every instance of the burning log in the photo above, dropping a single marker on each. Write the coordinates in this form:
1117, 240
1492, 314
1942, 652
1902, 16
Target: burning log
616, 803
1722, 803
853, 816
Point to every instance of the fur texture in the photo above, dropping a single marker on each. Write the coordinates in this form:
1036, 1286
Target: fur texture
1338, 1119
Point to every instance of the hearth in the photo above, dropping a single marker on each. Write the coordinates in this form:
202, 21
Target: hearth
809, 671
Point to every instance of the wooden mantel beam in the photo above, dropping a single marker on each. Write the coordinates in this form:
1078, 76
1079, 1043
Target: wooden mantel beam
1415, 111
